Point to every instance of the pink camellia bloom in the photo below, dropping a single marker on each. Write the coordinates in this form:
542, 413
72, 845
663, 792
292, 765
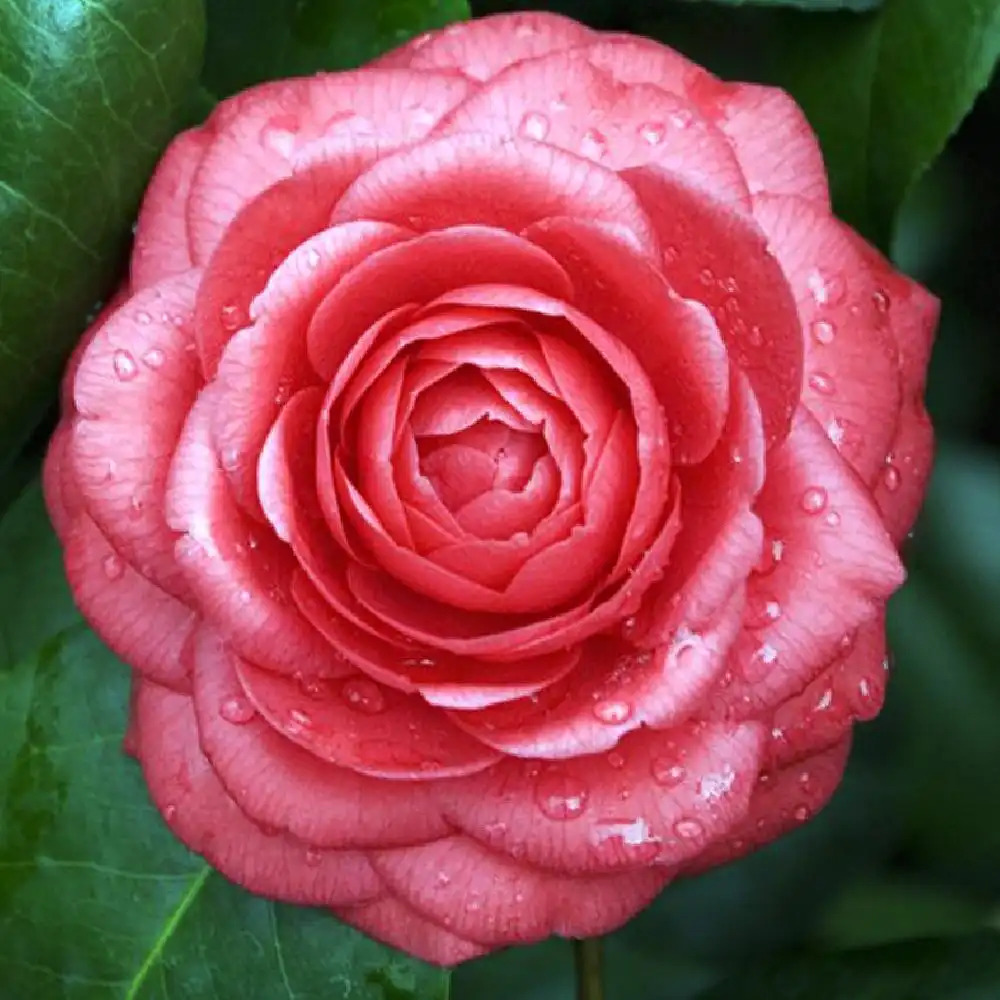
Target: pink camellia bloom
492, 470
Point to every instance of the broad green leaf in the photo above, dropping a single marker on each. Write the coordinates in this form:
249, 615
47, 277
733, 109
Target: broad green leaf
809, 5
950, 969
97, 899
254, 40
885, 91
89, 90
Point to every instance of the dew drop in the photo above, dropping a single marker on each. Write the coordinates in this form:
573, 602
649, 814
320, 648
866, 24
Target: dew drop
814, 500
363, 695
832, 519
443, 879
823, 332
714, 786
652, 132
313, 258
891, 477
114, 568
311, 687
534, 125
822, 383
688, 829
232, 317
143, 317
826, 288
770, 556
612, 713
230, 458
681, 118
245, 597
124, 365
298, 720
667, 772
864, 688
313, 857
169, 812
882, 301
153, 358
825, 700
801, 813
755, 336
706, 276
237, 710
561, 796
766, 654
278, 135
616, 760
629, 626
593, 144
762, 610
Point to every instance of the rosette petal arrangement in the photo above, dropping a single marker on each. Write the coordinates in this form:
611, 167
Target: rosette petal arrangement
492, 470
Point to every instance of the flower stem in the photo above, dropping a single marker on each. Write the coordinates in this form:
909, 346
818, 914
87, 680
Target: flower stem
588, 954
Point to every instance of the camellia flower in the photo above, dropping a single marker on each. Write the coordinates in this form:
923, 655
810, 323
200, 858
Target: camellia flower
492, 470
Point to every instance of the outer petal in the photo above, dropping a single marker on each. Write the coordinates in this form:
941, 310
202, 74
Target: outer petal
239, 574
133, 388
162, 246
567, 102
484, 47
371, 730
396, 924
486, 897
146, 627
718, 256
660, 797
852, 380
837, 569
195, 805
272, 779
261, 132
782, 800
479, 179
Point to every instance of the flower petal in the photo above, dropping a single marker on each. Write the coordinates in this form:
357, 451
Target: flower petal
195, 805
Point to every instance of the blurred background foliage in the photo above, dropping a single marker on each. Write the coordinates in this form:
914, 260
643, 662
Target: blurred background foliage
909, 848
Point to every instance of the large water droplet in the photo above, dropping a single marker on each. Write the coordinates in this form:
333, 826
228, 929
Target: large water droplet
762, 610
891, 477
823, 332
667, 772
237, 710
801, 813
822, 383
688, 829
826, 287
124, 365
612, 712
652, 132
232, 317
814, 500
594, 145
534, 125
114, 568
561, 796
363, 695
154, 358
825, 700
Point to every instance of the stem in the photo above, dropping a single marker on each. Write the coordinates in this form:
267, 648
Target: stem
588, 954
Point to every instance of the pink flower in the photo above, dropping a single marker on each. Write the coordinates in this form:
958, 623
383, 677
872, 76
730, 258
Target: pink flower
492, 471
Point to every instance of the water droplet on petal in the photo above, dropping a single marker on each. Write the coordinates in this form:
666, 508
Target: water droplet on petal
891, 477
124, 365
153, 358
882, 301
363, 695
832, 519
114, 568
762, 610
313, 258
616, 760
297, 721
245, 597
143, 317
864, 688
230, 458
771, 554
278, 135
688, 829
652, 132
714, 786
313, 857
237, 710
534, 125
681, 118
667, 772
169, 812
706, 276
629, 626
232, 317
755, 336
612, 713
823, 332
826, 288
593, 145
814, 500
822, 383
801, 813
561, 796
825, 700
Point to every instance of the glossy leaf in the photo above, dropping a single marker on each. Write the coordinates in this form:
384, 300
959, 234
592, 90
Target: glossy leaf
89, 91
951, 969
97, 899
254, 40
885, 91
809, 5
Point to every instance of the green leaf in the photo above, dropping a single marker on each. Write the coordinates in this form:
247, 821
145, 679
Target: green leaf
98, 901
886, 91
950, 969
808, 5
88, 94
254, 40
